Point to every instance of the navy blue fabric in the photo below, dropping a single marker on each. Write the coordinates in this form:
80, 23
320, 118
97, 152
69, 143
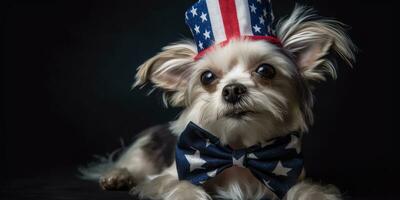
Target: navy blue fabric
261, 16
200, 156
199, 26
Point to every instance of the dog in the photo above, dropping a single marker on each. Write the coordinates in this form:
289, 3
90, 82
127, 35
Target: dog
243, 91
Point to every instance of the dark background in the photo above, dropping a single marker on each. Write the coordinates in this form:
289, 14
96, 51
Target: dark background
67, 69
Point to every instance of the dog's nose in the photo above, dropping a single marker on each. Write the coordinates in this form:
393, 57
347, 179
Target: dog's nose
233, 92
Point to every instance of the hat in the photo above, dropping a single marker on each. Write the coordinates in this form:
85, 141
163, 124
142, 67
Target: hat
216, 22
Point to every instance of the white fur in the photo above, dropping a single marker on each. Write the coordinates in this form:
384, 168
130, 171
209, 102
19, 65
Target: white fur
142, 166
305, 27
132, 159
236, 191
167, 186
103, 164
310, 191
275, 106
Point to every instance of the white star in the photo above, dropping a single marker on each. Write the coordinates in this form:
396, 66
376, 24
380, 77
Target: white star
253, 8
266, 183
212, 173
257, 29
203, 17
238, 162
261, 20
195, 162
265, 12
206, 34
294, 144
186, 17
252, 156
193, 11
201, 47
207, 141
197, 28
280, 170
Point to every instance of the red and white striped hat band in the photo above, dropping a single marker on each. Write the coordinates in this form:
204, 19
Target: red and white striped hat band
216, 22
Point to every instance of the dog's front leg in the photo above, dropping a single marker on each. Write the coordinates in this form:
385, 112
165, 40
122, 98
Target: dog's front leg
166, 186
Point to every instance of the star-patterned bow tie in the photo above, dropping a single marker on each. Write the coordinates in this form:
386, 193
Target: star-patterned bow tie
201, 156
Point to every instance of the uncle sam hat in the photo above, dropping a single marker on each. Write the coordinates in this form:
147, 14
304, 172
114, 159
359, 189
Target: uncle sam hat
216, 22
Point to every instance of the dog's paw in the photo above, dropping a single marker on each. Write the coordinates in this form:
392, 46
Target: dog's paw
117, 179
169, 188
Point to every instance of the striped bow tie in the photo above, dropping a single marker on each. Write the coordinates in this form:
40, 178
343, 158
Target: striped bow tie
201, 156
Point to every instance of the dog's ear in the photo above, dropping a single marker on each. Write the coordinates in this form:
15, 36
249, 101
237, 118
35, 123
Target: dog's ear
311, 39
169, 70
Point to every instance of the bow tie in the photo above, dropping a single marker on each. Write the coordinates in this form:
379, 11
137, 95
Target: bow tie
201, 156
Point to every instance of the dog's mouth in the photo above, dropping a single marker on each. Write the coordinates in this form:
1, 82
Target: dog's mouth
237, 114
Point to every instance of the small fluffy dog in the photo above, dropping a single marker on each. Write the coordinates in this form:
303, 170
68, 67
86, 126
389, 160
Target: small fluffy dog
244, 91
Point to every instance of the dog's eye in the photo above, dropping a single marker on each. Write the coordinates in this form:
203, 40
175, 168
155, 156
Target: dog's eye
207, 77
266, 71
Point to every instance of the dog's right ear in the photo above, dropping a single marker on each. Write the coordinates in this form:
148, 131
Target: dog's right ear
311, 40
169, 70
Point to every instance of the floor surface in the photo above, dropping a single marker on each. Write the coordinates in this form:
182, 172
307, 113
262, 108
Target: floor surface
65, 185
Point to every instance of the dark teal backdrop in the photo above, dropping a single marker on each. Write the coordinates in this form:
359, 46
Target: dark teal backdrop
68, 67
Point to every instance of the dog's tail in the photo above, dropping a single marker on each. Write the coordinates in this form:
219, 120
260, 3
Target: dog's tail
102, 164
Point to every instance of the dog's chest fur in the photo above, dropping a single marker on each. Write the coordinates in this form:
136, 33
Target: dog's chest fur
236, 180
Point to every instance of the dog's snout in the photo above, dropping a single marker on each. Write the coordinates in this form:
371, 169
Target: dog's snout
233, 92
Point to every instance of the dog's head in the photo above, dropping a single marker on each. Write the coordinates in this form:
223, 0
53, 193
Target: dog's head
246, 90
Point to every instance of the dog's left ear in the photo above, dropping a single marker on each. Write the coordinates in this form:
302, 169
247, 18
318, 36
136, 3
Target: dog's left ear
169, 70
311, 39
